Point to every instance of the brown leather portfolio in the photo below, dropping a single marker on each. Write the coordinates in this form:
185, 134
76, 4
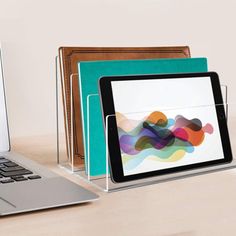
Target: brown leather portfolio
69, 58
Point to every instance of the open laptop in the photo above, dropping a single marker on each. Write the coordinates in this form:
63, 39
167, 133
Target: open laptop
24, 184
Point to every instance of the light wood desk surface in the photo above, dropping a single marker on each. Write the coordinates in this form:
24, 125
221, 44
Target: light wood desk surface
201, 205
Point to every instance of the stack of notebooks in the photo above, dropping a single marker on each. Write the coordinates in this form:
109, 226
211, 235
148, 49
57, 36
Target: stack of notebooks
86, 65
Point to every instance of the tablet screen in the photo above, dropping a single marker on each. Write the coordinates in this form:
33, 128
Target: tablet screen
166, 123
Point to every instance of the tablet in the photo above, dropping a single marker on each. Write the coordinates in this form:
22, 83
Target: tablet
160, 124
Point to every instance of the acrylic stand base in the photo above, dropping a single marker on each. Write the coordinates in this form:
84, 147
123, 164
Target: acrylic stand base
105, 183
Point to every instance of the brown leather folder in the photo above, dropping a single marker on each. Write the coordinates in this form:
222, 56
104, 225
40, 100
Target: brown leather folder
69, 58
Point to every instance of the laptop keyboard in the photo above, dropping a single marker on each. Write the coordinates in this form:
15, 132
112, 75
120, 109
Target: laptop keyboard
11, 172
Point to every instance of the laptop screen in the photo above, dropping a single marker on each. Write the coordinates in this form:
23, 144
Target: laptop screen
4, 135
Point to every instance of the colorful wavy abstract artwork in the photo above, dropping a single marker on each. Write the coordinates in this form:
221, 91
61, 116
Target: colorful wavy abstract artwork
158, 138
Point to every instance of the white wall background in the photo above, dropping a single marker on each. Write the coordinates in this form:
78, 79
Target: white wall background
31, 32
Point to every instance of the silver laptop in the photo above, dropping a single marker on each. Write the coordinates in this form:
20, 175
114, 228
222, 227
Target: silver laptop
25, 185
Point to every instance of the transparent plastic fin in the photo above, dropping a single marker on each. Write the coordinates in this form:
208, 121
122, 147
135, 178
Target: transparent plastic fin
65, 139
190, 135
61, 139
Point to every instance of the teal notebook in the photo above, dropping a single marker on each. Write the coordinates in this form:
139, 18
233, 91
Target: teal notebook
89, 74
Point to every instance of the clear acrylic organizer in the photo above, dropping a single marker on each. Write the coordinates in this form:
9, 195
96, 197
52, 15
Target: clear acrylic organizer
97, 171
